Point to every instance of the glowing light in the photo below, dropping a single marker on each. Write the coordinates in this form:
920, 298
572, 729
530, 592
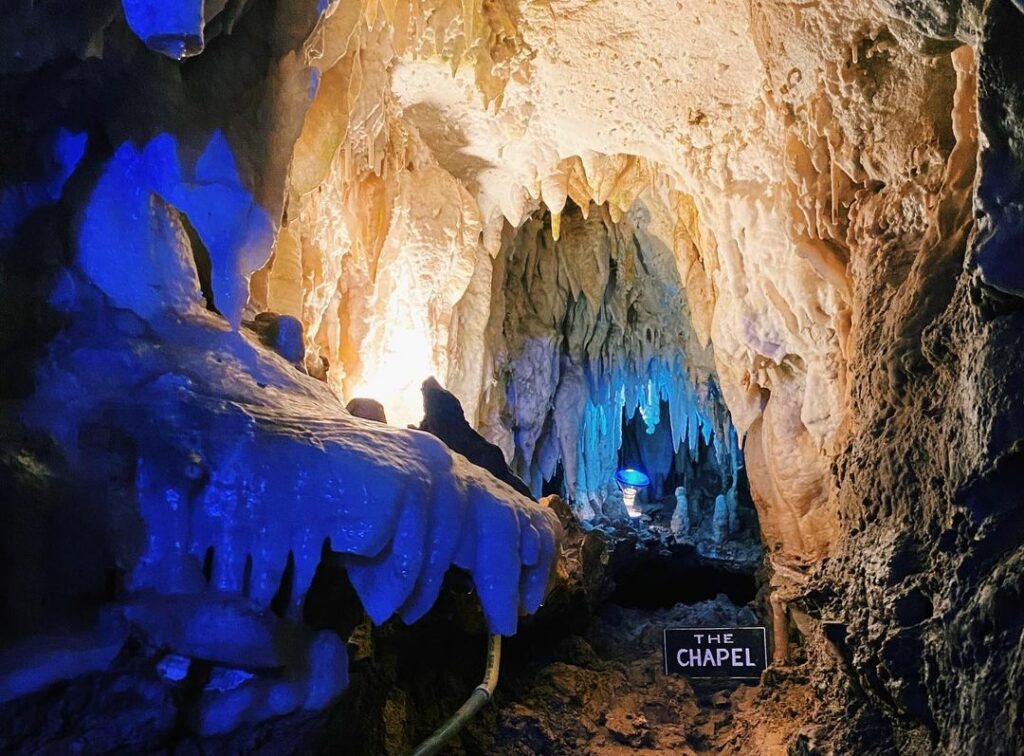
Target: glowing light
631, 482
401, 360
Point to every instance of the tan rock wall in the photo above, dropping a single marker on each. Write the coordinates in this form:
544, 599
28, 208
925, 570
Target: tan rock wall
777, 147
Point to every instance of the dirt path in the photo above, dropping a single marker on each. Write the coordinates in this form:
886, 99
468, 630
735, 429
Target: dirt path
604, 693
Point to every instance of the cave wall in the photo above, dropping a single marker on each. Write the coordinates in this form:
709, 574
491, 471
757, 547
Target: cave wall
840, 226
710, 184
585, 330
837, 185
926, 594
413, 164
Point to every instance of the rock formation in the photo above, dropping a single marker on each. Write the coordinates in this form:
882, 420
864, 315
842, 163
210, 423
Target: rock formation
793, 228
443, 417
720, 520
681, 515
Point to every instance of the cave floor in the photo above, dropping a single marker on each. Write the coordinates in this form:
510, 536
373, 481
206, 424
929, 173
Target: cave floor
604, 691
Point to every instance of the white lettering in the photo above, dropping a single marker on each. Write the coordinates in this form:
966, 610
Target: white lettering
715, 649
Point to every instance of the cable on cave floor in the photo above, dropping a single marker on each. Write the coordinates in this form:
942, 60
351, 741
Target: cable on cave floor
477, 699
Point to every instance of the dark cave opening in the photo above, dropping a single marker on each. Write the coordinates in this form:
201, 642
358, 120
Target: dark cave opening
555, 485
660, 581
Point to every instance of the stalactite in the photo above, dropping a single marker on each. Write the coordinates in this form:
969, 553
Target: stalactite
596, 332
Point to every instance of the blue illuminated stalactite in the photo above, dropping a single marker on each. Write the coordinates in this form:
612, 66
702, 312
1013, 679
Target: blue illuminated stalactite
693, 418
171, 27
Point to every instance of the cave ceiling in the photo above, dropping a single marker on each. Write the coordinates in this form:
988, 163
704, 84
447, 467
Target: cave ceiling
763, 141
779, 236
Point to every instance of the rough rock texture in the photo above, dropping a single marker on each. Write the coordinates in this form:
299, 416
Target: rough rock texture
603, 692
838, 184
920, 587
827, 194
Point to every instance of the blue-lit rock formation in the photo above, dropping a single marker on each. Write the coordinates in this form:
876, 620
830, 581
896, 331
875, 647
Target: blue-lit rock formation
598, 333
132, 242
236, 470
1002, 181
206, 410
196, 476
173, 28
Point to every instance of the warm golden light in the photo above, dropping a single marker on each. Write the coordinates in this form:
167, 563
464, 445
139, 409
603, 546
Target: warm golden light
400, 362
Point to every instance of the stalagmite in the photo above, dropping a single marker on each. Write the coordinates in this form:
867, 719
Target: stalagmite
732, 503
720, 520
767, 253
681, 515
613, 506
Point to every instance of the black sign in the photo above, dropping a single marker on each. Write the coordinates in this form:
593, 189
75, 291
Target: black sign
740, 652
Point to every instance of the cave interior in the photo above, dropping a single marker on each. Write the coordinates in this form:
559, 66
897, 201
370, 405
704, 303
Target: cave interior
349, 345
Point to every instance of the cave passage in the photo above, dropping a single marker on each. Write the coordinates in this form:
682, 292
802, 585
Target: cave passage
602, 367
661, 582
651, 450
765, 253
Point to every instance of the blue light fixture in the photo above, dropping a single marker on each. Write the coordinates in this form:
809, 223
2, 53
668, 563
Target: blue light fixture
631, 482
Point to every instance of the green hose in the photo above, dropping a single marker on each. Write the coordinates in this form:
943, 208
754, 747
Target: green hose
481, 695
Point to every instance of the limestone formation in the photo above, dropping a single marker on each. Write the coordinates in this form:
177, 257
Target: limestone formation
720, 520
681, 515
732, 505
780, 239
443, 417
614, 507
